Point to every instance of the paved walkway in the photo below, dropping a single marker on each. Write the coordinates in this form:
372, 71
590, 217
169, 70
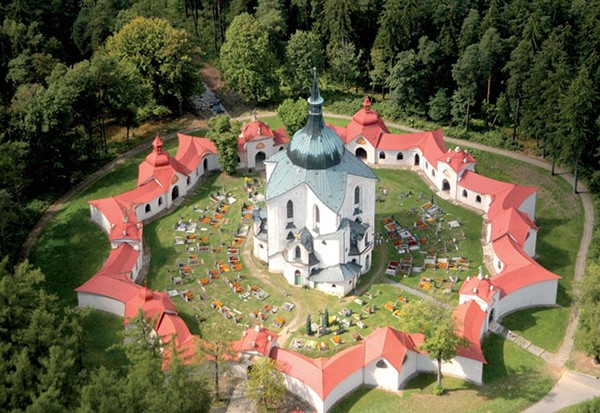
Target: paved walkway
572, 388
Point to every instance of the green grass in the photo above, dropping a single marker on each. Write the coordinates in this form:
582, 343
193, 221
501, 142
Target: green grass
540, 325
514, 379
103, 332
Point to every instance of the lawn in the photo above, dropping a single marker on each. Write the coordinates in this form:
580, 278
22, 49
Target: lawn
514, 379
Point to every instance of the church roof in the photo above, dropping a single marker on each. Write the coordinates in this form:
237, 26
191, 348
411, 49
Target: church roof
316, 157
315, 146
305, 238
336, 273
329, 185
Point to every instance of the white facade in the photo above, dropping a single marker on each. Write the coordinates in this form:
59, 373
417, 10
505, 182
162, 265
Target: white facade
540, 294
100, 302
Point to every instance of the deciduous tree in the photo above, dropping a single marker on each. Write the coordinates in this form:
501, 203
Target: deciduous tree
246, 60
265, 383
222, 134
293, 114
436, 323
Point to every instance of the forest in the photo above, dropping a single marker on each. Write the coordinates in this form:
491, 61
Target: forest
510, 73
503, 72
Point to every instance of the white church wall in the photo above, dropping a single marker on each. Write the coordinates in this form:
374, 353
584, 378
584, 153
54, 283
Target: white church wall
386, 378
346, 386
471, 198
353, 145
528, 206
409, 368
155, 208
102, 303
530, 242
278, 221
534, 295
99, 218
304, 392
252, 150
330, 251
328, 220
260, 250
464, 368
338, 289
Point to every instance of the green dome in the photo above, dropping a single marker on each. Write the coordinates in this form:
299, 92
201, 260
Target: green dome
315, 146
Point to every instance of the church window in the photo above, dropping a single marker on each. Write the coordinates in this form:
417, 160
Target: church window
148, 208
433, 172
382, 155
464, 193
160, 201
290, 236
357, 195
478, 199
400, 156
189, 180
332, 285
290, 209
381, 364
297, 253
317, 214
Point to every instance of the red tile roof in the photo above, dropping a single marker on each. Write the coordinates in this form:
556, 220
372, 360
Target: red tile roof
153, 304
113, 278
256, 339
514, 222
470, 318
191, 150
457, 159
161, 166
140, 195
504, 195
483, 288
365, 122
122, 221
324, 374
257, 129
390, 344
520, 270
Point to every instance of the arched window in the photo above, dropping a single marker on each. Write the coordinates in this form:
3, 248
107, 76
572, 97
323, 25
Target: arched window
317, 215
290, 209
464, 193
290, 236
148, 209
381, 364
382, 155
160, 201
357, 195
189, 180
297, 253
433, 172
400, 156
478, 199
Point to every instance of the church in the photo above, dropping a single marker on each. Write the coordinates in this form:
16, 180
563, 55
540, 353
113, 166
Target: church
317, 227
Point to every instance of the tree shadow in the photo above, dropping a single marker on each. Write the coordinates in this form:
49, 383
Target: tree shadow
506, 382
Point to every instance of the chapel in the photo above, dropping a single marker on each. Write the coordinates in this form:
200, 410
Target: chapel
318, 224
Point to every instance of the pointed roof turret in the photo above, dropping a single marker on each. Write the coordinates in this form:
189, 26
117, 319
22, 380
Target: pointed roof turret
367, 103
315, 146
157, 144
